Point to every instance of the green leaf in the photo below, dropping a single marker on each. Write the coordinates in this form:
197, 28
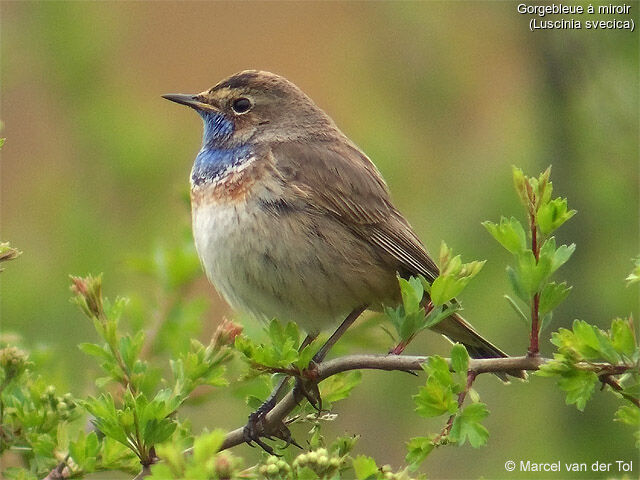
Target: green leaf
629, 415
553, 214
100, 352
520, 183
365, 467
544, 188
207, 445
343, 445
306, 355
552, 258
459, 358
437, 367
578, 385
434, 399
561, 255
418, 449
7, 252
518, 310
439, 313
634, 276
467, 426
586, 342
162, 471
531, 274
444, 289
130, 348
338, 387
552, 295
436, 396
509, 233
516, 285
623, 336
280, 351
412, 293
594, 339
18, 473
156, 431
450, 283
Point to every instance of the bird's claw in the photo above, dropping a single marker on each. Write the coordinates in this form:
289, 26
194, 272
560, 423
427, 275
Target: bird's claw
255, 429
309, 390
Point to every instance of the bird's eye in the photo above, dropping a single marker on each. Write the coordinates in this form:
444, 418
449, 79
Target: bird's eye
241, 105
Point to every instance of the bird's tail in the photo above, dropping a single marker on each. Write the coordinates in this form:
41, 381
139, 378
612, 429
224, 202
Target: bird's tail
456, 329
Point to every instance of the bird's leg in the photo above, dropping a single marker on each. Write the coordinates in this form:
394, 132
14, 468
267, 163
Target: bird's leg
251, 433
308, 388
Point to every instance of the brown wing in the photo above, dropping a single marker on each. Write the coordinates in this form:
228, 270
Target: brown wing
339, 179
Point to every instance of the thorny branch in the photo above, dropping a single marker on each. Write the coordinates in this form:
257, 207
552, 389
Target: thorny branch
275, 418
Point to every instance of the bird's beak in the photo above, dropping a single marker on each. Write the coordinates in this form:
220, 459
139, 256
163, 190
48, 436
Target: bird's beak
188, 100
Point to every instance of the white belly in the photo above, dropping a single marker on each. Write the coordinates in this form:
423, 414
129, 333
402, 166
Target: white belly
294, 266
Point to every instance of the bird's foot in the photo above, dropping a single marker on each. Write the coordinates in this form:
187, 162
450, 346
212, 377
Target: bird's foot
256, 428
307, 386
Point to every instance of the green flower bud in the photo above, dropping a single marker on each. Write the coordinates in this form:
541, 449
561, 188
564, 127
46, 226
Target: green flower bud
272, 469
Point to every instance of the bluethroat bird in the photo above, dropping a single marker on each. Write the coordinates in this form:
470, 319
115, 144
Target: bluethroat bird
292, 220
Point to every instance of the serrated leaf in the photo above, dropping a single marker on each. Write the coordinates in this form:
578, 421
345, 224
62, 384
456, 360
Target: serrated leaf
447, 286
365, 467
436, 396
437, 367
459, 358
207, 445
520, 184
531, 274
444, 289
578, 385
560, 255
412, 293
629, 415
338, 387
434, 399
509, 233
467, 426
623, 336
95, 350
552, 295
418, 449
553, 214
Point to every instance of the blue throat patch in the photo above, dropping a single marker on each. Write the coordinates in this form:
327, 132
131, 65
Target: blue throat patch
214, 158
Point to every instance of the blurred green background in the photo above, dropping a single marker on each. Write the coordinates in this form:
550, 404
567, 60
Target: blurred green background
443, 96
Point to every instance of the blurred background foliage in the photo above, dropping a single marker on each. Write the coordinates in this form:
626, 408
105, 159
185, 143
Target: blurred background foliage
444, 97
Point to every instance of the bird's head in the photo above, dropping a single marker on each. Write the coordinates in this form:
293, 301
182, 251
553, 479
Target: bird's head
253, 106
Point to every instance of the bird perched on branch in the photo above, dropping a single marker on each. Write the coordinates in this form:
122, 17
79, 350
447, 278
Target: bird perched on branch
291, 219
